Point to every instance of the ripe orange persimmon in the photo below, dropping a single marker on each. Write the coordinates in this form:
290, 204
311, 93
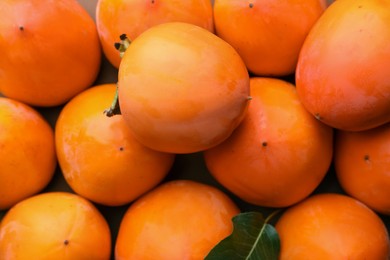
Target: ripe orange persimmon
342, 73
332, 226
181, 88
362, 165
132, 17
27, 153
50, 50
179, 219
279, 154
98, 156
268, 34
55, 225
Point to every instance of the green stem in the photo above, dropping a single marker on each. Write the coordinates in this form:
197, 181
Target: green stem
121, 47
114, 108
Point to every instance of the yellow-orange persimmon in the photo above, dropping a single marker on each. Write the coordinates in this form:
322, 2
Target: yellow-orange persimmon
99, 157
332, 226
342, 76
50, 50
54, 225
132, 17
179, 219
268, 34
362, 165
27, 152
279, 154
182, 89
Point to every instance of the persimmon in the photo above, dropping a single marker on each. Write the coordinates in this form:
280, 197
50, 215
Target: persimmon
27, 152
50, 50
362, 166
54, 225
268, 34
182, 89
132, 17
342, 76
279, 153
180, 219
99, 157
332, 226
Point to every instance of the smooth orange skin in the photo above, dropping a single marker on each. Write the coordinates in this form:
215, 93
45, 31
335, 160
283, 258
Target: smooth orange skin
55, 225
181, 88
342, 73
56, 55
98, 156
268, 34
132, 17
279, 154
180, 219
27, 153
332, 226
362, 165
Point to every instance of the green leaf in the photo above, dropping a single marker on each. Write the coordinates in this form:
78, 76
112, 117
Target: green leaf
252, 239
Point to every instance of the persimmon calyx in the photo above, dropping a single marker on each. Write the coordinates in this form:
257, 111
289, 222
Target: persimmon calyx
114, 109
123, 44
121, 47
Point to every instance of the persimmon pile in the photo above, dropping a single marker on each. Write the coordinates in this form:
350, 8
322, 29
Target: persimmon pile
140, 129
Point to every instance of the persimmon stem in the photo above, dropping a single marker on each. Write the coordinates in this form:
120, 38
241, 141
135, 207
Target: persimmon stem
114, 108
121, 47
123, 44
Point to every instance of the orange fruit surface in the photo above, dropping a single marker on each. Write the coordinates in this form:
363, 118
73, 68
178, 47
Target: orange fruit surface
180, 219
138, 184
279, 154
50, 50
362, 165
99, 157
54, 225
132, 17
27, 153
332, 226
342, 76
268, 34
181, 88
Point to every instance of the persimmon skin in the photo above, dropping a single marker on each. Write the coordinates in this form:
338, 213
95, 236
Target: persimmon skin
279, 153
132, 17
180, 219
362, 166
50, 55
332, 226
27, 152
125, 169
268, 34
342, 76
181, 88
54, 225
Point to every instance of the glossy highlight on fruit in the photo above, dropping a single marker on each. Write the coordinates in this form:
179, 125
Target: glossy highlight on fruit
27, 152
279, 154
54, 225
50, 50
180, 219
181, 88
268, 34
98, 156
362, 166
132, 17
342, 76
332, 226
